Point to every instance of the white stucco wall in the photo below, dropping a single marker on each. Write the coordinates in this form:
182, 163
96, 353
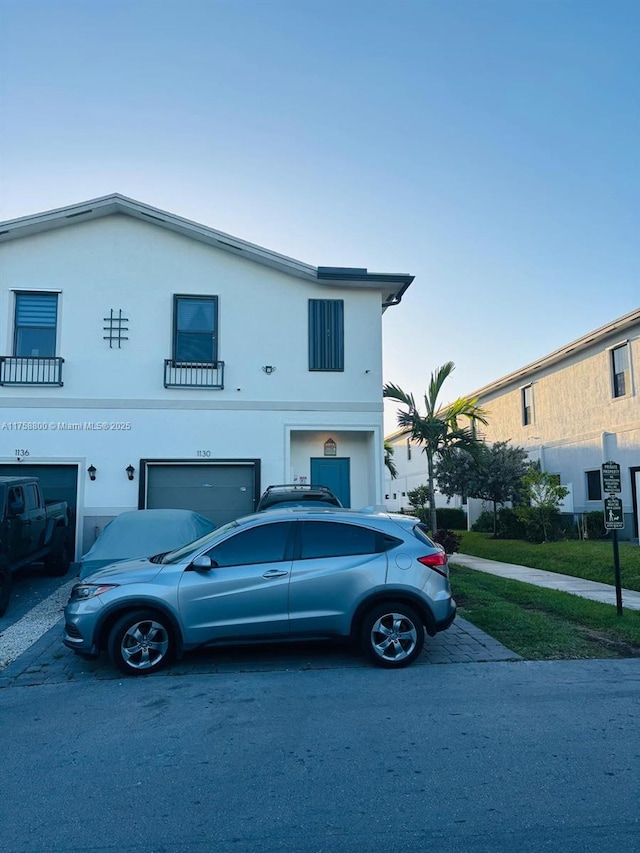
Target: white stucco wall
121, 263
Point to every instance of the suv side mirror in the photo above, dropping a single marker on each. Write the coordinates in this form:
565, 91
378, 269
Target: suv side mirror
202, 562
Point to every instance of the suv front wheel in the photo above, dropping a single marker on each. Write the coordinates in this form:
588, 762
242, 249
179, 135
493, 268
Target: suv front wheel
141, 642
392, 635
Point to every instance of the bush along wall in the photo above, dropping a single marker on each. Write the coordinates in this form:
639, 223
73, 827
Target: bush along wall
454, 519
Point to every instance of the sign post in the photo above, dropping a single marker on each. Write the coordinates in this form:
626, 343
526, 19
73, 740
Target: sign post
613, 518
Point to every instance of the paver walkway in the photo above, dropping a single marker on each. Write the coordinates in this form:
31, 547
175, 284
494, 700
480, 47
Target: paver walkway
49, 662
593, 590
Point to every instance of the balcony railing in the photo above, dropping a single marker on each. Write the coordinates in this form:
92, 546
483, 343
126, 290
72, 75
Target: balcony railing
30, 370
193, 374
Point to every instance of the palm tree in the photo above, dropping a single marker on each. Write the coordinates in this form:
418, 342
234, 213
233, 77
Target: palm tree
438, 430
391, 466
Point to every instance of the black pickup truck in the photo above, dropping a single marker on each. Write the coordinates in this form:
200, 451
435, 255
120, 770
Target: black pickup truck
32, 530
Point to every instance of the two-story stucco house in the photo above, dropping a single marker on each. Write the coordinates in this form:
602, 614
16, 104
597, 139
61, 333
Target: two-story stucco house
572, 410
147, 361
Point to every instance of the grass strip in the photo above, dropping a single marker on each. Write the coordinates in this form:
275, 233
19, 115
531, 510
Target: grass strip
543, 624
589, 559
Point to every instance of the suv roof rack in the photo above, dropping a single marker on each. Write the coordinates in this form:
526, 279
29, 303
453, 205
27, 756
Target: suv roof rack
299, 486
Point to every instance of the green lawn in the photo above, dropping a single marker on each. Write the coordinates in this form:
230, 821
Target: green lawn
589, 559
542, 624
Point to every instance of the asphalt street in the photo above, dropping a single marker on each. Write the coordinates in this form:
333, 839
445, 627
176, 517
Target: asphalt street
471, 758
307, 748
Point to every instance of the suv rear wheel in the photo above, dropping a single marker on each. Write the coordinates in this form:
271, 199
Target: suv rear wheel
392, 635
141, 642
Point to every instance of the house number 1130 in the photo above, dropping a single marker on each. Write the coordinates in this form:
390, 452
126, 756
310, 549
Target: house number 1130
203, 454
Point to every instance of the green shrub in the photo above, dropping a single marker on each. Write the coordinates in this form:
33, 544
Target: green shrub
484, 523
448, 517
449, 540
552, 527
509, 525
423, 514
594, 524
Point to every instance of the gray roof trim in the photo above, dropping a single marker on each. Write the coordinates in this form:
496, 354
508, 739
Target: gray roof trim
392, 286
526, 373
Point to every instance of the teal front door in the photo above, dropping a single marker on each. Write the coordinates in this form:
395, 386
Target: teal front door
334, 473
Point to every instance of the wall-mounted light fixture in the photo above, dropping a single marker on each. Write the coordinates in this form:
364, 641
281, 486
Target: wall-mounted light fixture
269, 368
91, 471
130, 471
330, 447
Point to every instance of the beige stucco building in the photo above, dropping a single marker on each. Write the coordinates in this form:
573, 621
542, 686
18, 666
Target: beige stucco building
573, 410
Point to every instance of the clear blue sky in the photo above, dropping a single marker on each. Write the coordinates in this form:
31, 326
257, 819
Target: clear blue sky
489, 147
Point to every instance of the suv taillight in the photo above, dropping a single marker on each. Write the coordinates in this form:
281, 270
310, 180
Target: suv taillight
435, 561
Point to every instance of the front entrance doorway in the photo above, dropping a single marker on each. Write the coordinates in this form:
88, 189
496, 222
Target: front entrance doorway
335, 474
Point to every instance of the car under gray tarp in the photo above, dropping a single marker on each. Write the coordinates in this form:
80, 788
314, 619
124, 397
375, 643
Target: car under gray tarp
143, 533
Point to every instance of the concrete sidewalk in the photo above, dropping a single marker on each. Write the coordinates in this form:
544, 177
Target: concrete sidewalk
593, 590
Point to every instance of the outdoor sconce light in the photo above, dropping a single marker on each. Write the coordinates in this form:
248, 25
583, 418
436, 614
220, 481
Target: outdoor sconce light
130, 471
91, 471
269, 368
330, 447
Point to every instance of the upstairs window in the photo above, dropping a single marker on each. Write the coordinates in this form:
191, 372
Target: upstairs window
408, 449
620, 370
195, 329
35, 325
594, 486
527, 405
326, 334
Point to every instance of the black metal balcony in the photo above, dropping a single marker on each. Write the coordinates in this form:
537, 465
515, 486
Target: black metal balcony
30, 370
194, 374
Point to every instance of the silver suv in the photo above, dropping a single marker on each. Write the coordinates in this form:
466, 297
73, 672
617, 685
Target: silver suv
286, 574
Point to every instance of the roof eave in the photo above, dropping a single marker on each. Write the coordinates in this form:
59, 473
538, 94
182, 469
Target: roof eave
621, 324
391, 285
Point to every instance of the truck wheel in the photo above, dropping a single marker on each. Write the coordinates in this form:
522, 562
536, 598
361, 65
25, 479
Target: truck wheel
5, 585
58, 560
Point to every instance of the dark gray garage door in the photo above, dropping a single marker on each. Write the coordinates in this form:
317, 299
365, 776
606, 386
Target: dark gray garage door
219, 491
58, 483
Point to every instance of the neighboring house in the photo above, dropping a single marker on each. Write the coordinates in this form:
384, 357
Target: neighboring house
411, 467
572, 410
147, 361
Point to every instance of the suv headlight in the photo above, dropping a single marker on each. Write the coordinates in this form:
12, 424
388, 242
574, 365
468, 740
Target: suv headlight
82, 591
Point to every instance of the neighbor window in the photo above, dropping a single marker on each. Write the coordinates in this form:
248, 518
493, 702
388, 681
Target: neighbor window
326, 334
408, 449
620, 370
195, 329
594, 486
35, 324
527, 405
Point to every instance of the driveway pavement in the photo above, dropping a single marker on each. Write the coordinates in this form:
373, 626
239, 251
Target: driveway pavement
47, 661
